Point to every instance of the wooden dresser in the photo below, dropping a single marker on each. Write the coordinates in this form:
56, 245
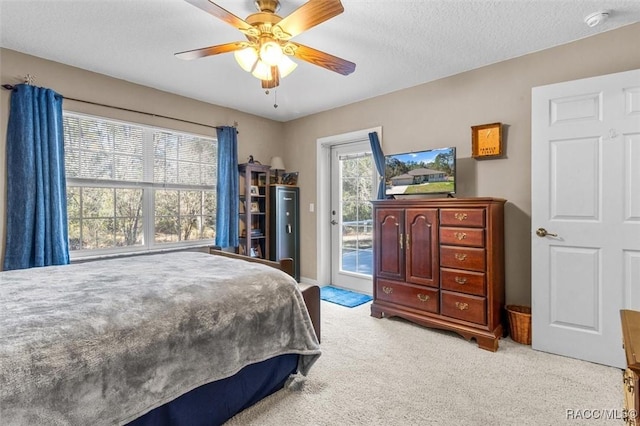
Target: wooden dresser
440, 263
631, 377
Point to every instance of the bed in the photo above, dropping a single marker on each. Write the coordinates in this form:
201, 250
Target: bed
175, 338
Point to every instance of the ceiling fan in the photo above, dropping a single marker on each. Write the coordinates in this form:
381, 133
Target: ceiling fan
266, 52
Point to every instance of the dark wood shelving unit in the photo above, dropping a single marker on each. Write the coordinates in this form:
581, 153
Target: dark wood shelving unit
254, 210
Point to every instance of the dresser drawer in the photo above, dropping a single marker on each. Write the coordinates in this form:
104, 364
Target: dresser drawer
464, 307
462, 258
471, 237
463, 281
462, 217
414, 296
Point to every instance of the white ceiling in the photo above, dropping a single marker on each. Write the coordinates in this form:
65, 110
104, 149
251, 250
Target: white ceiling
395, 44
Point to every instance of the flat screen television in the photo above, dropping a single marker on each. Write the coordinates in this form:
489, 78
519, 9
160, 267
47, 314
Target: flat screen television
430, 171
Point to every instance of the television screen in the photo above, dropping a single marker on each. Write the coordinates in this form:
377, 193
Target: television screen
424, 172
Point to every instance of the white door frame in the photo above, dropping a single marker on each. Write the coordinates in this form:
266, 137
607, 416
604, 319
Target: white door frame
323, 196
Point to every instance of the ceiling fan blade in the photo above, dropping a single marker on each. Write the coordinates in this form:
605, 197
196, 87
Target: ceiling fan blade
307, 16
322, 59
212, 50
220, 13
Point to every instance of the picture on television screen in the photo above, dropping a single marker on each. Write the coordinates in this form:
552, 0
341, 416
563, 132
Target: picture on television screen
424, 172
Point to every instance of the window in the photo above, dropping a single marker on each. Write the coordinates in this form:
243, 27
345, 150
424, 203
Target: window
135, 188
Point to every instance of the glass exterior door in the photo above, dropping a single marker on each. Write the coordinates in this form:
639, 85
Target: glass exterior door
353, 187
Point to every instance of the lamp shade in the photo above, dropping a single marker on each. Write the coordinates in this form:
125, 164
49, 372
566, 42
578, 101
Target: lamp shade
286, 66
269, 64
271, 53
277, 163
246, 58
262, 71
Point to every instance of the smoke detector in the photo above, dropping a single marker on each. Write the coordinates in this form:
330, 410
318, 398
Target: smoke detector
596, 18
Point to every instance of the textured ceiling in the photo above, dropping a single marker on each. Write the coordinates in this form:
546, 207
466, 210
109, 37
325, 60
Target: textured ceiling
395, 44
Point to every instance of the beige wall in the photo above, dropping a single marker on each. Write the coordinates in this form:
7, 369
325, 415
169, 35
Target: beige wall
431, 115
257, 136
440, 114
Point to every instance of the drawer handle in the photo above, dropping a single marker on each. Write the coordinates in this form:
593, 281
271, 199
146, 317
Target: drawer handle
423, 297
460, 216
462, 306
387, 290
460, 256
460, 280
460, 235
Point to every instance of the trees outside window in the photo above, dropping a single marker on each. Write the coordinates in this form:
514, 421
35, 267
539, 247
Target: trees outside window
132, 188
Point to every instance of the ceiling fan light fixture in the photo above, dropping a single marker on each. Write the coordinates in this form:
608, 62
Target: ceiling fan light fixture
262, 71
271, 53
246, 58
286, 66
266, 54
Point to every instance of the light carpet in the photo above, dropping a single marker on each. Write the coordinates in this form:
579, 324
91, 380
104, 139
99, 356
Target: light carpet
392, 372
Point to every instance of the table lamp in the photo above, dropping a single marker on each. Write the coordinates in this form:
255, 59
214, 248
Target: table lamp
277, 164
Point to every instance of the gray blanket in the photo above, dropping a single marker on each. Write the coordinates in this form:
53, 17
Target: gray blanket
107, 341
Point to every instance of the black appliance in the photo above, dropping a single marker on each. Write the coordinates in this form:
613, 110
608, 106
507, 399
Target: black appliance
284, 225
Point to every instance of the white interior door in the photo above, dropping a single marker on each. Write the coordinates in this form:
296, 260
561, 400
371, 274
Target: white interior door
353, 186
586, 195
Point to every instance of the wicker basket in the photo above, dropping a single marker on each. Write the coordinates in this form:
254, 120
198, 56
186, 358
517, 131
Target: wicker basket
520, 323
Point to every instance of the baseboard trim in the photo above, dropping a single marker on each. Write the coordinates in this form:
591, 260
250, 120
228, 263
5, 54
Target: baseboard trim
310, 281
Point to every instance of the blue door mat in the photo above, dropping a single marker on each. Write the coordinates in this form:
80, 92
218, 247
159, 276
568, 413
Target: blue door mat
342, 297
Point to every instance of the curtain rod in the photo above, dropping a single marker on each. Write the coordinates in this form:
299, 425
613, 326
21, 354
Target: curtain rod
11, 87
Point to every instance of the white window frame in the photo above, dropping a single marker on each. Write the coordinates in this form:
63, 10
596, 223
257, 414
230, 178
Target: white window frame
148, 203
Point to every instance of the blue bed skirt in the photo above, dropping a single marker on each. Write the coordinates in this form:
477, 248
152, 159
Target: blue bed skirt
216, 402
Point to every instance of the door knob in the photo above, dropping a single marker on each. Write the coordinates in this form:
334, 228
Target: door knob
541, 232
333, 222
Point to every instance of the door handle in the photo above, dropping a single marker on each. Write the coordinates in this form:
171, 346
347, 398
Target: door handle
333, 222
541, 232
